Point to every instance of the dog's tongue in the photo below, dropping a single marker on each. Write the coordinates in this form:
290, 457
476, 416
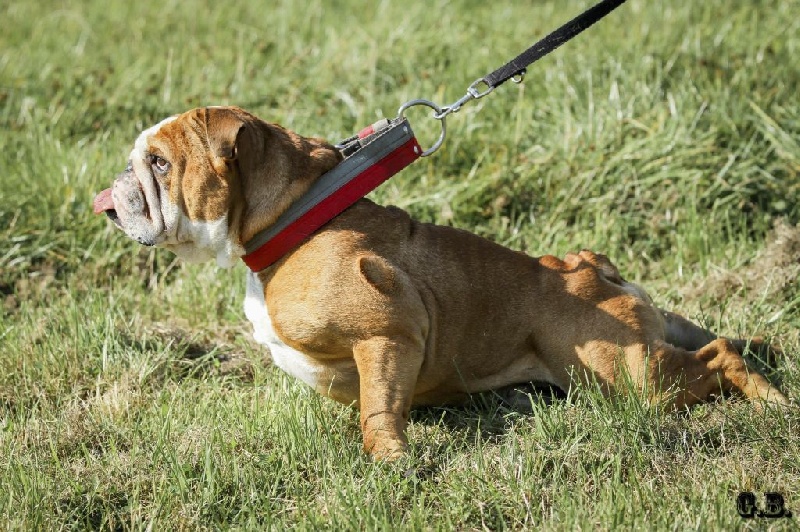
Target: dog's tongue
103, 202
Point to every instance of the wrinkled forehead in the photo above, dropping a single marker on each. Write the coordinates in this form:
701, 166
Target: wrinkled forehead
141, 148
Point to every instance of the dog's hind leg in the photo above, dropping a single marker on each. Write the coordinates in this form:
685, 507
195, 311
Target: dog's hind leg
717, 366
683, 333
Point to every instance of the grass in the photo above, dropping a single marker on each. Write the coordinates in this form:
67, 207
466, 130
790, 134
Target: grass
131, 396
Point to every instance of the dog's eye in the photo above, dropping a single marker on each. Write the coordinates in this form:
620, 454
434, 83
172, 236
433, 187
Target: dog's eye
160, 164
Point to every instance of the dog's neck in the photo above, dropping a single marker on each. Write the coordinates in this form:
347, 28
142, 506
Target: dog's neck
276, 174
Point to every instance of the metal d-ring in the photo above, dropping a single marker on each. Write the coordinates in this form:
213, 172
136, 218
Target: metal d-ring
437, 114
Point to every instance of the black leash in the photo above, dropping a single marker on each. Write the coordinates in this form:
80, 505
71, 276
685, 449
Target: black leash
381, 150
516, 68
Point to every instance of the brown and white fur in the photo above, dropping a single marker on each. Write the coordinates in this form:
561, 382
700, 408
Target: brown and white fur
385, 313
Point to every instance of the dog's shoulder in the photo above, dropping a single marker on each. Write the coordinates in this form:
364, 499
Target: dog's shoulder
367, 218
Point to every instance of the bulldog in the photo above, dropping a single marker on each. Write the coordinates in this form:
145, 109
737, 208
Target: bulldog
385, 313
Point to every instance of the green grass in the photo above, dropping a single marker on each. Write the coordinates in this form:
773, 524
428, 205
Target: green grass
131, 396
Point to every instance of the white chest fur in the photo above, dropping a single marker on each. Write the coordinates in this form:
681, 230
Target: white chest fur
288, 359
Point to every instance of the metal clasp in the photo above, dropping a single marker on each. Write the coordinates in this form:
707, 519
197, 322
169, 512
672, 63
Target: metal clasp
473, 93
440, 113
437, 114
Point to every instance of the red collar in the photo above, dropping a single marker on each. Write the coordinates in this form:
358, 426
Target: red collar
379, 155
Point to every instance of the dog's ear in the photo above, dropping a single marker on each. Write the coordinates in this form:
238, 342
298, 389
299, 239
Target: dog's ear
223, 129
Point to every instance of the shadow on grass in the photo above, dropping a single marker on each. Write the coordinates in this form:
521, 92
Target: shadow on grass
180, 355
488, 414
485, 417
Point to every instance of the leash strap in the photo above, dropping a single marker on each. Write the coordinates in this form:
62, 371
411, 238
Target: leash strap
373, 156
516, 67
381, 150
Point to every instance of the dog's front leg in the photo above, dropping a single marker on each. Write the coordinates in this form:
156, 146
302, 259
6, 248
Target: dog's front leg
388, 371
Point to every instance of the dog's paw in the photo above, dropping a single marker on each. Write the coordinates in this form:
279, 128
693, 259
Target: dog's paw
390, 452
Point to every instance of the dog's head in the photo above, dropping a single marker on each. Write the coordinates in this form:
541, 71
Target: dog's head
204, 182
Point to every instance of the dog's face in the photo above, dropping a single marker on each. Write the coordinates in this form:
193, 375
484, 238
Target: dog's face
203, 182
178, 187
